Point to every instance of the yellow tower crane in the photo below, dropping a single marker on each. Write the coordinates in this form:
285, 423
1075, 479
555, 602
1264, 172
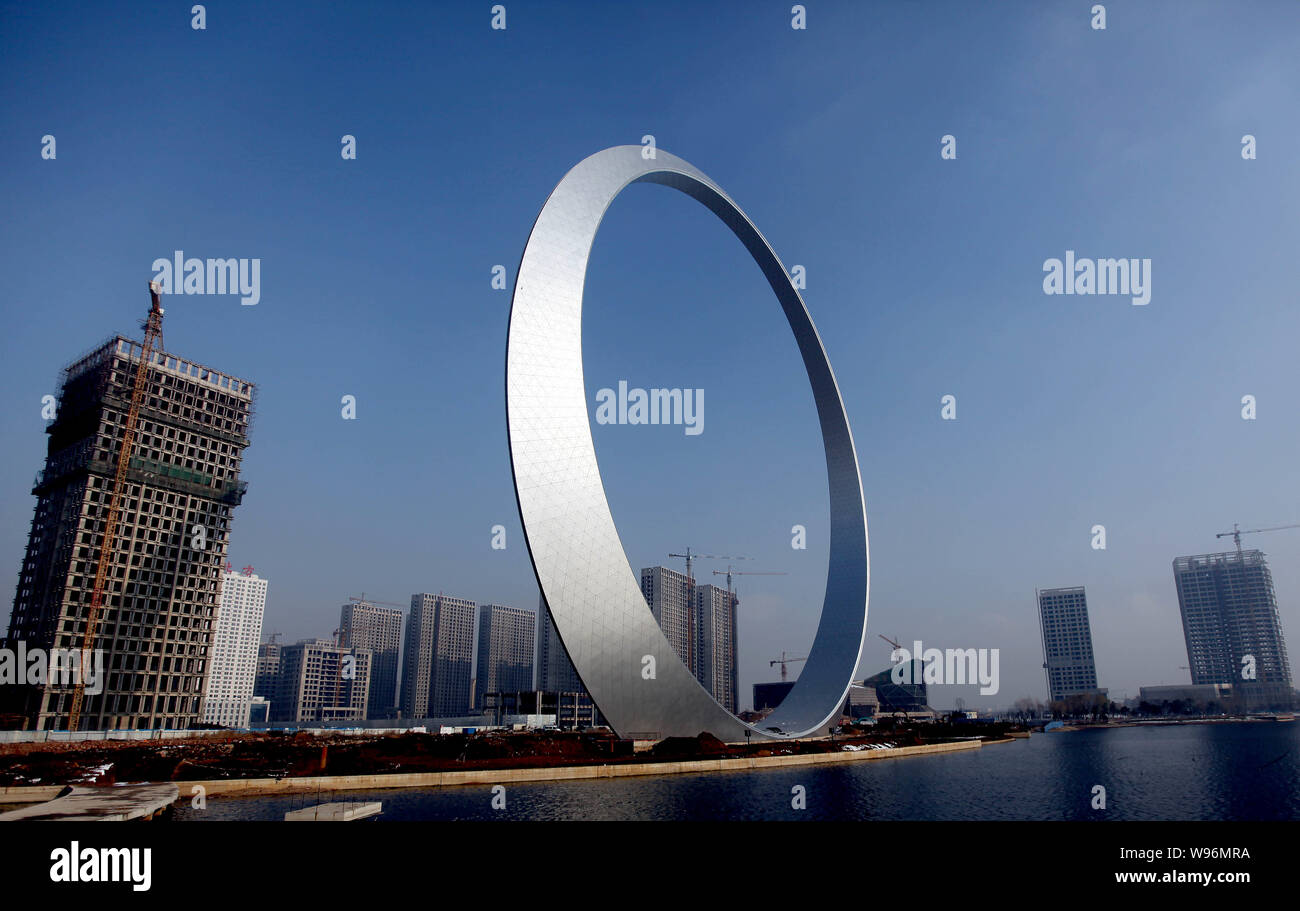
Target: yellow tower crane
152, 337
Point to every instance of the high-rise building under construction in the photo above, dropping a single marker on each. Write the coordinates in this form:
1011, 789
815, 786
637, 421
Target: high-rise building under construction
364, 625
699, 622
161, 586
438, 657
318, 680
671, 597
1232, 628
715, 636
505, 650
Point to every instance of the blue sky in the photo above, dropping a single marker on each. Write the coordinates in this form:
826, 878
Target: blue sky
924, 278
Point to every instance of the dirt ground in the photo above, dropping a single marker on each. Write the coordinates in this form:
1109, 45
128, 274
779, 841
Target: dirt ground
281, 755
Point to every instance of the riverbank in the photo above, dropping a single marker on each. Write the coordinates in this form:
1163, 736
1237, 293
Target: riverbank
281, 755
249, 787
1166, 722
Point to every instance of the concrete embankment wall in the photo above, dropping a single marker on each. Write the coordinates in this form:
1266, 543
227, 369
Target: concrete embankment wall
265, 786
269, 786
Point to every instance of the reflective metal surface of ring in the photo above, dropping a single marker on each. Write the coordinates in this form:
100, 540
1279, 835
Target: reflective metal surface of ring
594, 595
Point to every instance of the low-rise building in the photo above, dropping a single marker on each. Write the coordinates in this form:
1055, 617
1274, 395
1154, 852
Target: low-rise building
572, 711
1197, 695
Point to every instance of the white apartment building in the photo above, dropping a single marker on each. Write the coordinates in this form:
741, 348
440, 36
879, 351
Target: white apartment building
234, 649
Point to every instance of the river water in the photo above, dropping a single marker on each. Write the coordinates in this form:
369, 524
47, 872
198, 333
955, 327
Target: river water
1225, 771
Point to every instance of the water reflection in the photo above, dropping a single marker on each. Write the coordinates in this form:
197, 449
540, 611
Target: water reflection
1243, 771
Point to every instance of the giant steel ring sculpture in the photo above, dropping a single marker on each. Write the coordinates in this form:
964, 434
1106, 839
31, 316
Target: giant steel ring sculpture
592, 591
